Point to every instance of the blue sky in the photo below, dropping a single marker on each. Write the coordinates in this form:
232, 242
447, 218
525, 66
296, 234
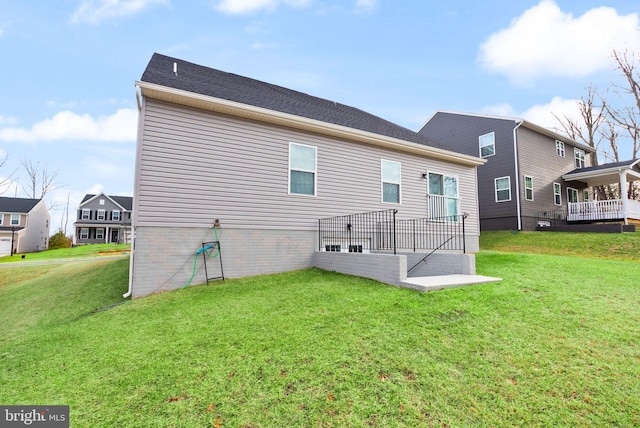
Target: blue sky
68, 67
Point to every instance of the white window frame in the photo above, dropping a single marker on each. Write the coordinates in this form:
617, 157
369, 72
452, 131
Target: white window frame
456, 198
560, 148
15, 220
528, 189
101, 201
114, 214
86, 214
585, 195
573, 191
102, 215
557, 194
1, 218
84, 233
390, 180
482, 145
100, 233
495, 185
314, 171
579, 157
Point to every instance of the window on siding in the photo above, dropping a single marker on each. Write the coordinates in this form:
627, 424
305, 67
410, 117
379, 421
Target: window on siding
528, 188
84, 233
572, 195
443, 195
390, 172
101, 214
487, 145
99, 233
332, 248
557, 194
15, 219
302, 169
560, 148
86, 214
503, 189
115, 215
1, 217
585, 195
579, 155
101, 201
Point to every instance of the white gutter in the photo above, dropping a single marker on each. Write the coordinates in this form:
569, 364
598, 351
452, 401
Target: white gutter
517, 171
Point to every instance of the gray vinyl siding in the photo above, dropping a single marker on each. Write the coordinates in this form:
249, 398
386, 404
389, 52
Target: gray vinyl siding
196, 166
538, 159
463, 132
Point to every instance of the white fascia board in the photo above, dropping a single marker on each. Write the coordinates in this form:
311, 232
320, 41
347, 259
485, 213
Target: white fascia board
233, 108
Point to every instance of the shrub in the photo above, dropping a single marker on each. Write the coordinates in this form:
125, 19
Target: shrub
59, 240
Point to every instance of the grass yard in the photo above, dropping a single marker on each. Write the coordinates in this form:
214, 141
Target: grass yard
554, 344
63, 253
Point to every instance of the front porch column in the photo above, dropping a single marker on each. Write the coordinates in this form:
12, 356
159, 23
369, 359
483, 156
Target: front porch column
623, 196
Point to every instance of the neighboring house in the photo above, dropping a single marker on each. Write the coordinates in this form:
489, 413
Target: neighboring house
268, 163
24, 225
525, 177
103, 219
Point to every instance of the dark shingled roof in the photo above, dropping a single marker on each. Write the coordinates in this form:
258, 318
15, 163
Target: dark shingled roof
17, 205
232, 87
125, 202
621, 164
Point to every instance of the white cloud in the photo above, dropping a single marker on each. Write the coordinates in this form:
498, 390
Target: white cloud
545, 41
248, 6
540, 114
66, 125
95, 11
366, 6
8, 120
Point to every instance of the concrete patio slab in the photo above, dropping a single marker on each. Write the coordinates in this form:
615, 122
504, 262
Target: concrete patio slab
430, 283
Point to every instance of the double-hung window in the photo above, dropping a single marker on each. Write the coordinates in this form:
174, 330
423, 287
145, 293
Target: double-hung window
100, 233
86, 214
390, 172
302, 169
560, 148
15, 219
115, 215
572, 195
579, 155
557, 194
528, 188
503, 189
101, 214
84, 233
443, 196
487, 145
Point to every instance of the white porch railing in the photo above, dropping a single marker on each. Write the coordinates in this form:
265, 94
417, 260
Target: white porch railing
612, 209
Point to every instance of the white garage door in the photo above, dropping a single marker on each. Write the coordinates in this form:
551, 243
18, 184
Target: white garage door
5, 246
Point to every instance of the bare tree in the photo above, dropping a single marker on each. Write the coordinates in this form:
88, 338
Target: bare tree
41, 181
626, 117
5, 181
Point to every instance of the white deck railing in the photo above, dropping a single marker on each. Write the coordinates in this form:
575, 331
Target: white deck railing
612, 209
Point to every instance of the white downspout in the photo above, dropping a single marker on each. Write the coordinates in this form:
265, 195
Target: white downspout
517, 172
136, 184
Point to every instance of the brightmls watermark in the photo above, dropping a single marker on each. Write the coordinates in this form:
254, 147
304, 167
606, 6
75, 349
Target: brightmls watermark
34, 416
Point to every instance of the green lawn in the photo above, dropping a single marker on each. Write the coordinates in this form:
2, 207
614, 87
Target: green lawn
555, 343
63, 253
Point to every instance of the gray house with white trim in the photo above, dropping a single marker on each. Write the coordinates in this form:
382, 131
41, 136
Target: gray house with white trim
24, 225
524, 179
103, 219
254, 167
